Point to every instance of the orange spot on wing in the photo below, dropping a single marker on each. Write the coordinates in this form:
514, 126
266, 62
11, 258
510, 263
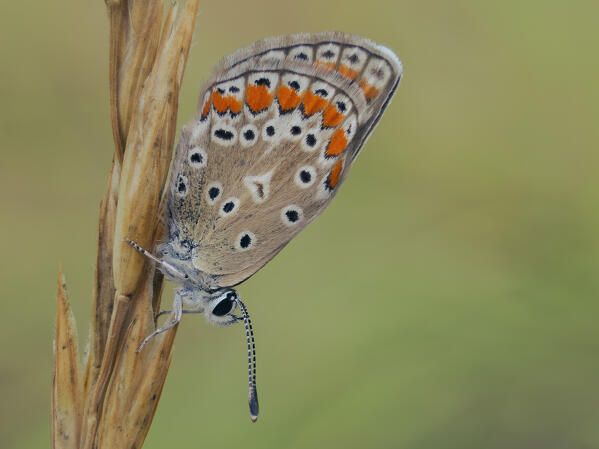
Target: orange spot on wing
313, 103
347, 72
234, 105
337, 143
332, 117
335, 174
288, 98
220, 103
369, 91
206, 108
257, 97
326, 65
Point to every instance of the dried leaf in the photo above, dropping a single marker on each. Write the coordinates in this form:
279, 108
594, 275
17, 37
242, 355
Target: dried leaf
103, 298
94, 401
66, 379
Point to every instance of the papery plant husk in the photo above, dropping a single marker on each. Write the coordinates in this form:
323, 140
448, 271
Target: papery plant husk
111, 400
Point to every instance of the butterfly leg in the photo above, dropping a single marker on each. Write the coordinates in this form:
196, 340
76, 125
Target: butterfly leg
178, 312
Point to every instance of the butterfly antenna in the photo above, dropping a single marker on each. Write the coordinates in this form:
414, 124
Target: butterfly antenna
249, 336
165, 267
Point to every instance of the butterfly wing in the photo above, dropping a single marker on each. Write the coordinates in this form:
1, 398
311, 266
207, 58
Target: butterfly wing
279, 126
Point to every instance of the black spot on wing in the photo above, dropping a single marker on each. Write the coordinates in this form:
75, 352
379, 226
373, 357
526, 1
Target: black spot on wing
245, 241
305, 176
292, 216
262, 82
228, 207
223, 134
213, 192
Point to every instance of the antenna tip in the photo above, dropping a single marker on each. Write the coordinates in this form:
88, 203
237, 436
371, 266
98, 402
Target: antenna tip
253, 400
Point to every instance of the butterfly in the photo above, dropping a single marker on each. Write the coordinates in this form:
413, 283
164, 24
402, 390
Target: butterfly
278, 127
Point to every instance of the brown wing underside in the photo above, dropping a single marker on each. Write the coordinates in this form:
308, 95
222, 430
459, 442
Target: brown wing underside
277, 130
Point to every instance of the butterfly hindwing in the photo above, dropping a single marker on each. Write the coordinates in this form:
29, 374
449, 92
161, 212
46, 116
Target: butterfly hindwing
278, 127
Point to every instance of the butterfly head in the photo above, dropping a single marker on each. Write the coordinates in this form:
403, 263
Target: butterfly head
220, 307
217, 306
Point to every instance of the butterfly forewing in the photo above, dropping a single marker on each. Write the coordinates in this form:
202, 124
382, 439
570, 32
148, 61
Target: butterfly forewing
278, 127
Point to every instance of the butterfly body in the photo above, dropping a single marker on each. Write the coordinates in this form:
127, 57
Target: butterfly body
278, 127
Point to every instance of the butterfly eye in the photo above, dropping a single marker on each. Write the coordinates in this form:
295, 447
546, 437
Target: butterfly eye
225, 305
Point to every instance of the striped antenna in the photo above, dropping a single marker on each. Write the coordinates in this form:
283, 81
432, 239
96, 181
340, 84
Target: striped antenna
249, 336
165, 267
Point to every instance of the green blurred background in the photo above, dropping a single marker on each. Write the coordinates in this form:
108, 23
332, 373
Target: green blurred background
446, 299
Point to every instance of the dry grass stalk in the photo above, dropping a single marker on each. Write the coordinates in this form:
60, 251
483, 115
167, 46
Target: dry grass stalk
116, 403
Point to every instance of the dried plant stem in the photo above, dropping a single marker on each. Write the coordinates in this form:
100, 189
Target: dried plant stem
111, 404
